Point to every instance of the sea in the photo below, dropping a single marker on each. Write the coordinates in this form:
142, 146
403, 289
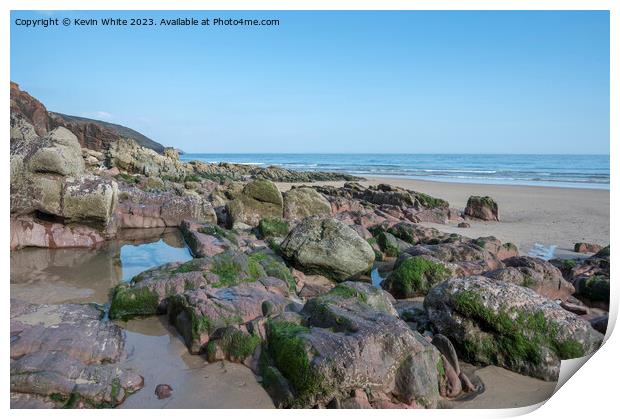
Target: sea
570, 170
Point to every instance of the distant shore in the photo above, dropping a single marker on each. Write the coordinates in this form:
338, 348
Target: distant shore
530, 215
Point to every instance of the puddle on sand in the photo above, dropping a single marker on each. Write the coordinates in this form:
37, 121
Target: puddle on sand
380, 271
195, 382
54, 276
542, 251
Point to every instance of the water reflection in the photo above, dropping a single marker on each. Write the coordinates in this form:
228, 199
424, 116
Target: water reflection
47, 276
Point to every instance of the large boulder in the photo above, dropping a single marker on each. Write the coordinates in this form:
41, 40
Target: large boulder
349, 341
328, 247
415, 276
66, 356
305, 202
89, 199
259, 199
498, 323
59, 153
534, 273
482, 207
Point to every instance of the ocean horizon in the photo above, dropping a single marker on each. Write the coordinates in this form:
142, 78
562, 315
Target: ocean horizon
559, 170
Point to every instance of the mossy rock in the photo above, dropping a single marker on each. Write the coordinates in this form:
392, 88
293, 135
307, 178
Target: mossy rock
130, 302
414, 277
273, 227
263, 191
234, 344
594, 288
367, 294
603, 253
219, 232
390, 245
300, 203
499, 323
236, 268
430, 202
519, 337
274, 266
290, 354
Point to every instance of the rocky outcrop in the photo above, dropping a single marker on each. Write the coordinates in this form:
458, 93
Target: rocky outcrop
398, 202
495, 246
482, 207
66, 356
129, 156
259, 199
54, 202
30, 110
587, 247
26, 231
202, 315
148, 293
536, 274
300, 203
99, 135
462, 258
92, 134
58, 152
591, 279
415, 276
244, 172
498, 323
207, 239
144, 209
345, 343
327, 247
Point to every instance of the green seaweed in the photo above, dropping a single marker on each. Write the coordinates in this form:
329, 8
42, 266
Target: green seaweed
290, 355
428, 201
528, 281
236, 344
415, 277
273, 227
273, 267
219, 232
130, 302
517, 338
387, 243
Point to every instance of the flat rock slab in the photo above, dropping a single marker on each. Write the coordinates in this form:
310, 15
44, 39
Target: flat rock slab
66, 356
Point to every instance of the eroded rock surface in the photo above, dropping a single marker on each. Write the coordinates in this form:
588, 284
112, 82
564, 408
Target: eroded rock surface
66, 356
498, 323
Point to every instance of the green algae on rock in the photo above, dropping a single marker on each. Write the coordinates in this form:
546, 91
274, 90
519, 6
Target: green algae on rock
499, 323
415, 276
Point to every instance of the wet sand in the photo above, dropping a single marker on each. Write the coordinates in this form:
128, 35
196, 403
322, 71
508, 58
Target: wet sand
196, 383
529, 214
504, 389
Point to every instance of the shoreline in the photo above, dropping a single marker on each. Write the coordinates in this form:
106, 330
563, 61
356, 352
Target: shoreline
530, 215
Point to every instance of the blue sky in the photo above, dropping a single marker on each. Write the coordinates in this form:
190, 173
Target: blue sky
366, 82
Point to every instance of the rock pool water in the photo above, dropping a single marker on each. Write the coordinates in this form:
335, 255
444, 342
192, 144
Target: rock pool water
55, 276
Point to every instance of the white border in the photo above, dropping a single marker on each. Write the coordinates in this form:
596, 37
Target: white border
590, 393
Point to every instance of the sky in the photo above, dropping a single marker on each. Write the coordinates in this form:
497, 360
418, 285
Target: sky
333, 82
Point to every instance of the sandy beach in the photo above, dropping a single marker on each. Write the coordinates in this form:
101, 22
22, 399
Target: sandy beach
529, 215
